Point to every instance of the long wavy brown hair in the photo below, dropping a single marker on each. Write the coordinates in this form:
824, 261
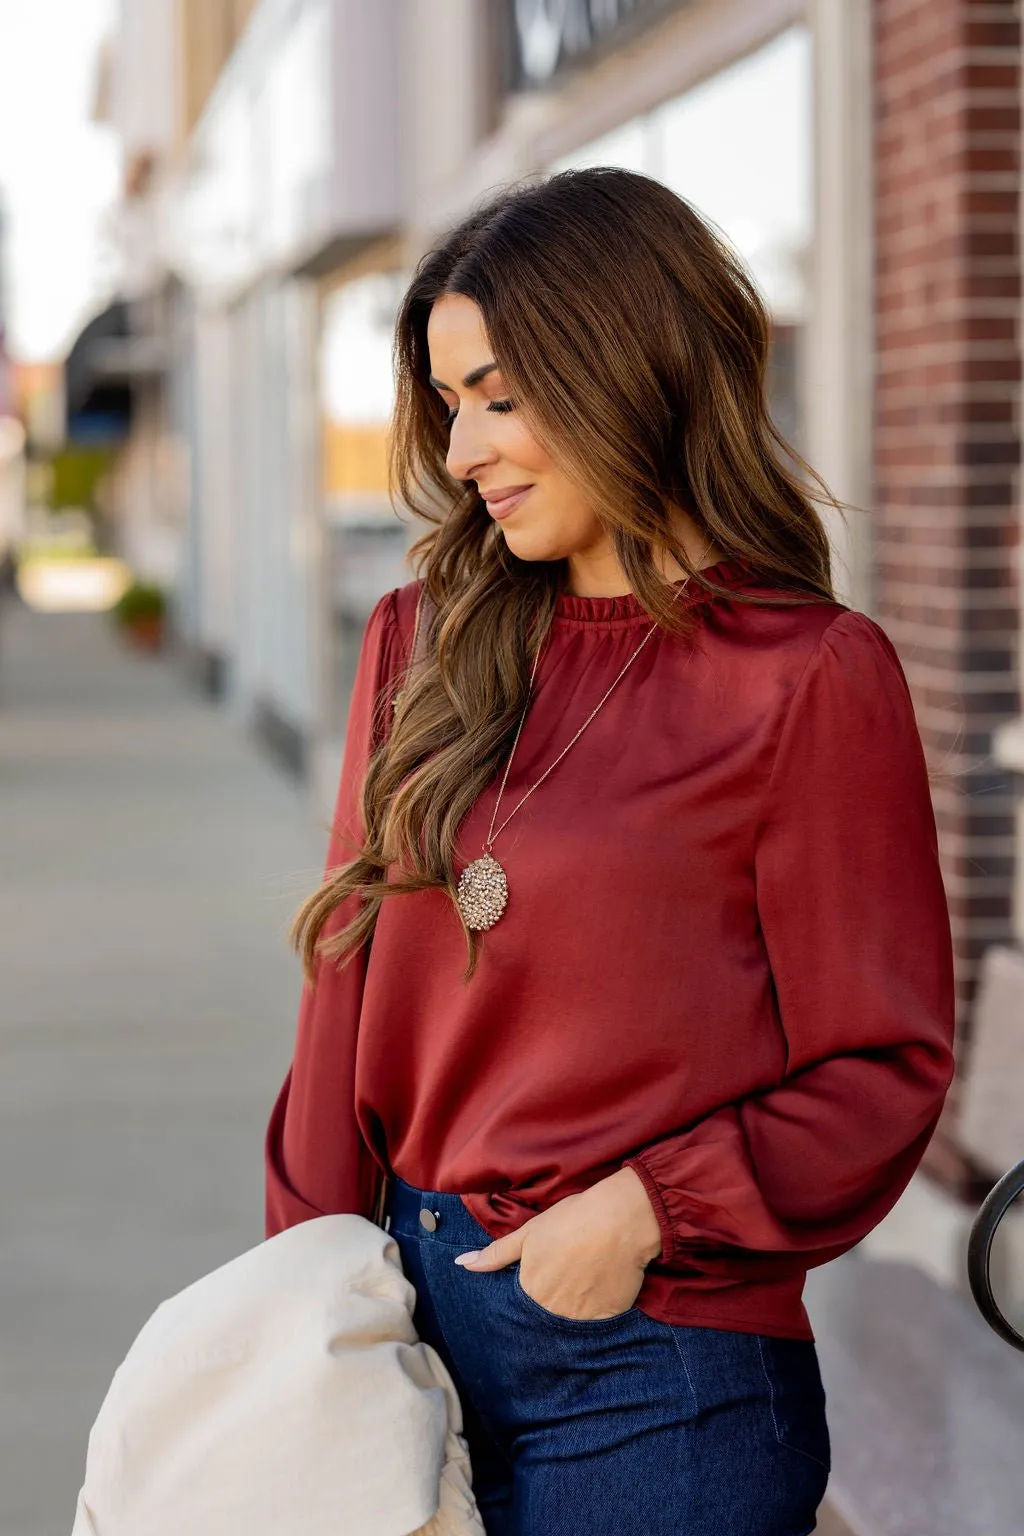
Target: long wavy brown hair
637, 345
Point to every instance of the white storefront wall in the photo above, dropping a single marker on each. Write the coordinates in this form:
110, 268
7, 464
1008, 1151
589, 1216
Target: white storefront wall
270, 184
211, 531
267, 439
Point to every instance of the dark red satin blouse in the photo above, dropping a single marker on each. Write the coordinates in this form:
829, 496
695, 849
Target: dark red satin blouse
725, 959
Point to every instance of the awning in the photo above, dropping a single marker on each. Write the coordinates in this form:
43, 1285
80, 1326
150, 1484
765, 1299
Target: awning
107, 361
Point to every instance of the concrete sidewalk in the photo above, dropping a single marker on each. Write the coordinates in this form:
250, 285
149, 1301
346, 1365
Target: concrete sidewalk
150, 860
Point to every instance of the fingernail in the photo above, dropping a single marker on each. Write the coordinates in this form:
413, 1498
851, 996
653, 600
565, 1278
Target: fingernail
467, 1258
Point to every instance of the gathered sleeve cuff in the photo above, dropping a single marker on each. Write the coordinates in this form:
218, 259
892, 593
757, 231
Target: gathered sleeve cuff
854, 921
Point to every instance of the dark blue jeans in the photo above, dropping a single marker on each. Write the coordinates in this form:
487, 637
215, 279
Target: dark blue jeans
618, 1425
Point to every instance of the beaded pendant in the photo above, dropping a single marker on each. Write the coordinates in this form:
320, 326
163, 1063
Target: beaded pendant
482, 892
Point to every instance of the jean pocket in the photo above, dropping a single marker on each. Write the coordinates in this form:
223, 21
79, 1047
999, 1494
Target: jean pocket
797, 1397
558, 1318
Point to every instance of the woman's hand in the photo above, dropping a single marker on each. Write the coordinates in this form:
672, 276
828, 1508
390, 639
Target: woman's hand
585, 1256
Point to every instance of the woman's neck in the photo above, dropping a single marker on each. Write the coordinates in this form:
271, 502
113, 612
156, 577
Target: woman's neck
598, 573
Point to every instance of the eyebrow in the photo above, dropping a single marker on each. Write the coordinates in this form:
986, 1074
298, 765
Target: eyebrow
473, 377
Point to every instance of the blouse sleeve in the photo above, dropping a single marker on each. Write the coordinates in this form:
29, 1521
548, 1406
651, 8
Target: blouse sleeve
316, 1160
854, 919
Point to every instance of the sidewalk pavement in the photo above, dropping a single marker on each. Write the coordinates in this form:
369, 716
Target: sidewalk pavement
150, 861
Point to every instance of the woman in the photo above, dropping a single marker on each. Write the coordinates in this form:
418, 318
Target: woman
657, 1012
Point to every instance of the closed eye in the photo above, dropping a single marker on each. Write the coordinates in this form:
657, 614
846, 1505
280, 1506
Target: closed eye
493, 405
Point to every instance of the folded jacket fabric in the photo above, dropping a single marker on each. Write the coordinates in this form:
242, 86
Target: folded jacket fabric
286, 1391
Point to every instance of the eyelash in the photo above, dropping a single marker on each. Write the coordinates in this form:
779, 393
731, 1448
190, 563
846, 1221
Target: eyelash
495, 405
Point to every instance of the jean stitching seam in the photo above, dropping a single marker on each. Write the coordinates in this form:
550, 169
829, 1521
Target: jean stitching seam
439, 1242
686, 1372
775, 1422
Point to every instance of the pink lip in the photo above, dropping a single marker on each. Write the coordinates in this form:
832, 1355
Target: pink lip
501, 503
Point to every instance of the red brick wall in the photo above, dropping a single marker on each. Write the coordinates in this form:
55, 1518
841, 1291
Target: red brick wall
948, 290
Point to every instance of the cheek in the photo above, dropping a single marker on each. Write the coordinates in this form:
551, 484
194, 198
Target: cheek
560, 494
520, 447
560, 517
571, 513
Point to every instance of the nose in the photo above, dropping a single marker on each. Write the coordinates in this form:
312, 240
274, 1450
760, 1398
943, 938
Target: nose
468, 448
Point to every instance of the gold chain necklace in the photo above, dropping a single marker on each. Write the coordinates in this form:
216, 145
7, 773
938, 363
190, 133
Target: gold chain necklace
482, 892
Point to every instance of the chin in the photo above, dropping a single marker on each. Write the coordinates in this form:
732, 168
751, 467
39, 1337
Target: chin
527, 547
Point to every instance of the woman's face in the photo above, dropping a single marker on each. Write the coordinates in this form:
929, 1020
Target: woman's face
542, 513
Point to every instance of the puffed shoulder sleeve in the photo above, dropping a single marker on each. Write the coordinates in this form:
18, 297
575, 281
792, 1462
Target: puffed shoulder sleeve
854, 920
316, 1161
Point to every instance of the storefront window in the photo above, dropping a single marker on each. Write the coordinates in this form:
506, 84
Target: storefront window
364, 540
739, 147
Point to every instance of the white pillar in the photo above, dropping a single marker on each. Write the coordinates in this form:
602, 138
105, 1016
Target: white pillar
838, 376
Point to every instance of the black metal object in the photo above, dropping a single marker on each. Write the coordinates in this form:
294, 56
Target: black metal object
979, 1252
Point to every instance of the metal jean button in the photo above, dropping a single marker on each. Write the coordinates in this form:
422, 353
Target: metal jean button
430, 1219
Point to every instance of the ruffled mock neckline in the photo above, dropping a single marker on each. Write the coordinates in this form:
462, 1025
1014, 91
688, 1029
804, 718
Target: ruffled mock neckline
626, 606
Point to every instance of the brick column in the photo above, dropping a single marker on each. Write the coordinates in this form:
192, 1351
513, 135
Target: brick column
946, 433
